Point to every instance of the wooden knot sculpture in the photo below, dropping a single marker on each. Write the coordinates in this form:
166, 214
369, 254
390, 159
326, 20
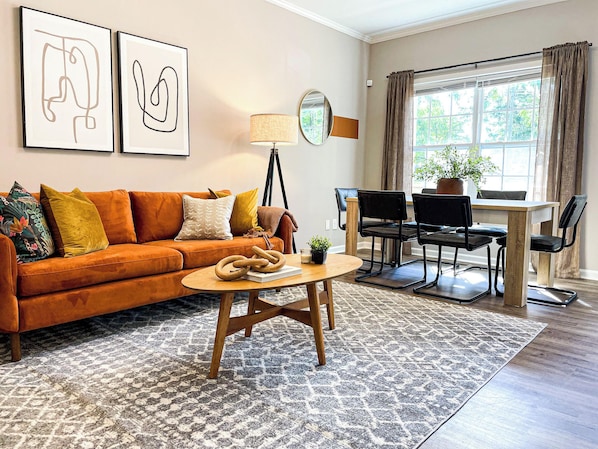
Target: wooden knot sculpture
264, 261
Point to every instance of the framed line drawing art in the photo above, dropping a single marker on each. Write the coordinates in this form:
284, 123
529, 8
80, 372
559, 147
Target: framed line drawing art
66, 83
154, 96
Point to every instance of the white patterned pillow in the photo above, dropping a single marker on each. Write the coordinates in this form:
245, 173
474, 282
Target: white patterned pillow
206, 219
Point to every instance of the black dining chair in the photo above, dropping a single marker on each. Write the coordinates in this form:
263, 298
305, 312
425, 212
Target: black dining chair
451, 211
390, 208
568, 223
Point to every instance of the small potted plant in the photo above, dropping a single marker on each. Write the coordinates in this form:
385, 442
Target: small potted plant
449, 167
319, 248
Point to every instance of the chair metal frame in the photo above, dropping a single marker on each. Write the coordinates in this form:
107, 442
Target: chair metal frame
552, 296
451, 211
389, 207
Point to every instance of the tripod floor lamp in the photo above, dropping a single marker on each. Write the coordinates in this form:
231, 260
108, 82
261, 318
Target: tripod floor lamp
273, 129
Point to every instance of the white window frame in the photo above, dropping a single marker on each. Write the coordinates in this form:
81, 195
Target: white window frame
449, 80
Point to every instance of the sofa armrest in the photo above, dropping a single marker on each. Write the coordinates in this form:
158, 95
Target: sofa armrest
279, 222
9, 307
285, 232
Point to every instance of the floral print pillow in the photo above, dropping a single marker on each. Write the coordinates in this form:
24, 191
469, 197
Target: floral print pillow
22, 220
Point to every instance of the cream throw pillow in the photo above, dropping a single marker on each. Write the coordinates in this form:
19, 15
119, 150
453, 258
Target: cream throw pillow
206, 219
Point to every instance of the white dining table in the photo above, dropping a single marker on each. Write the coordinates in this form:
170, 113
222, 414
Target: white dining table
519, 216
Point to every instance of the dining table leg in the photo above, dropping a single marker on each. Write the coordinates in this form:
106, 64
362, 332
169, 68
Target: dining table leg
545, 259
352, 220
517, 260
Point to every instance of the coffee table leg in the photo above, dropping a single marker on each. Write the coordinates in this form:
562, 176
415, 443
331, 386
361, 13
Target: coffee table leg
226, 302
316, 321
330, 305
253, 295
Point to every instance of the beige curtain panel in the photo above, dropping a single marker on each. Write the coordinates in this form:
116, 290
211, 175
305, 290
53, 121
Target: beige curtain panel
559, 153
397, 161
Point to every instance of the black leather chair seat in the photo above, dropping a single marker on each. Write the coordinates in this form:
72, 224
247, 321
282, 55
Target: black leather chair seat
546, 243
490, 231
390, 231
539, 242
456, 240
425, 227
367, 224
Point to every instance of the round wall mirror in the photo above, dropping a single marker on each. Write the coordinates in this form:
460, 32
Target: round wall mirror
315, 117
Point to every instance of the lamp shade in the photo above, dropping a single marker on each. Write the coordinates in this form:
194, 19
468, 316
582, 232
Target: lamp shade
269, 129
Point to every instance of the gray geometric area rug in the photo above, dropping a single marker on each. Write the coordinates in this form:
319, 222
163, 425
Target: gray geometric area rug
398, 366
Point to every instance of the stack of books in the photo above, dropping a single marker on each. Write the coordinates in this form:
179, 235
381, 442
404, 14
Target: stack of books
284, 272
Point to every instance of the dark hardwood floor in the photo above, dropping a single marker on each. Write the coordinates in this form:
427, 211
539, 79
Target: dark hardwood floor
547, 396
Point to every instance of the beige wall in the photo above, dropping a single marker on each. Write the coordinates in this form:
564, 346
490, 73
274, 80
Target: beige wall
245, 57
510, 34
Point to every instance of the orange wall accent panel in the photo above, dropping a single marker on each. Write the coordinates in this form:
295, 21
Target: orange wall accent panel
345, 127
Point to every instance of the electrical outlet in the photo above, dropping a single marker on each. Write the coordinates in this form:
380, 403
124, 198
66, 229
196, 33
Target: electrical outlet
334, 223
328, 225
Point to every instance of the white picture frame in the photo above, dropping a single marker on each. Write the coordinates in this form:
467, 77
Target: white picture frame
154, 96
66, 80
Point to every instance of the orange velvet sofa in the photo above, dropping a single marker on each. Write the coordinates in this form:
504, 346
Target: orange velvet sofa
143, 264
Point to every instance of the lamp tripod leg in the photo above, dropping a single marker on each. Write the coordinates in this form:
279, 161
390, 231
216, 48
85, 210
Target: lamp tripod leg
267, 199
284, 194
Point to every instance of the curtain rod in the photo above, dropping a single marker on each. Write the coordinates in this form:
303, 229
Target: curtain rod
479, 62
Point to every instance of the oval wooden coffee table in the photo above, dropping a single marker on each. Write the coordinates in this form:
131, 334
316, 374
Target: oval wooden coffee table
259, 309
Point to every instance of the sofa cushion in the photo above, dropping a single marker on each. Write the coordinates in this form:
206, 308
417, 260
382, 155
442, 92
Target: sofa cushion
244, 216
159, 215
116, 262
74, 221
22, 220
114, 207
201, 253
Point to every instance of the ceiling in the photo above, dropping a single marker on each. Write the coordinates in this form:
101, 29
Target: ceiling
380, 20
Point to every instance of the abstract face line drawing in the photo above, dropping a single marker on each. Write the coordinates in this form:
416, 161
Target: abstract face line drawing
70, 65
161, 112
67, 83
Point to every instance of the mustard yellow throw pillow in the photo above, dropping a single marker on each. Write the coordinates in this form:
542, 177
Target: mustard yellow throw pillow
74, 221
244, 215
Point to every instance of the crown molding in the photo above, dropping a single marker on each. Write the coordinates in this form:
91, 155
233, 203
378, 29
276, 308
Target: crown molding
415, 27
436, 23
322, 20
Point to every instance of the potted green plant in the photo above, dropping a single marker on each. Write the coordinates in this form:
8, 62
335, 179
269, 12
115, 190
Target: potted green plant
319, 248
450, 166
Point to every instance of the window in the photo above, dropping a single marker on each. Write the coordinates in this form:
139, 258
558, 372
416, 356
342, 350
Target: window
495, 112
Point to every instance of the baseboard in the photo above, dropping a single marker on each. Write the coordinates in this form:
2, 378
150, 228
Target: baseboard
591, 275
